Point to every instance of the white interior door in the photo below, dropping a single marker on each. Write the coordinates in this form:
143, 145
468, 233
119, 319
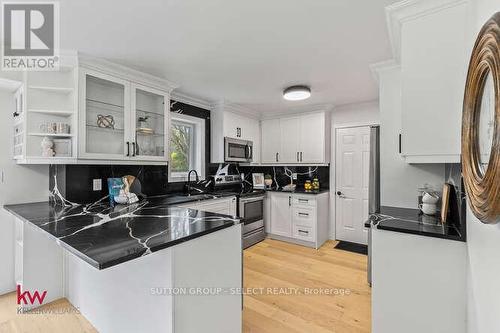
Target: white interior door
351, 178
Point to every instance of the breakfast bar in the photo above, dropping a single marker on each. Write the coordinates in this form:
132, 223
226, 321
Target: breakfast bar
151, 260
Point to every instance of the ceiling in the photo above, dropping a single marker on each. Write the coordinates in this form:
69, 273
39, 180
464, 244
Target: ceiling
244, 52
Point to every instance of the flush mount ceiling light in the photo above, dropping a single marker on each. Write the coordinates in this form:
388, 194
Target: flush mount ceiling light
297, 93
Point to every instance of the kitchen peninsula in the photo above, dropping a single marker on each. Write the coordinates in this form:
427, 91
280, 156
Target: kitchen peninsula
176, 269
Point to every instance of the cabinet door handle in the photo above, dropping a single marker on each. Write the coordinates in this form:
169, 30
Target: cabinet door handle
303, 200
289, 201
301, 156
400, 149
303, 232
133, 148
276, 157
128, 148
297, 156
303, 214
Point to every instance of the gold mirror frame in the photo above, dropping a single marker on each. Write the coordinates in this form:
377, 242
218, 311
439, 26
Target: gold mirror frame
482, 187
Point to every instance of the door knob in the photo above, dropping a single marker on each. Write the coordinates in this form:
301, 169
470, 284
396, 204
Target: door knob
339, 193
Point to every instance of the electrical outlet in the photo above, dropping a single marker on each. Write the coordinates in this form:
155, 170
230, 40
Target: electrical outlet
294, 176
97, 185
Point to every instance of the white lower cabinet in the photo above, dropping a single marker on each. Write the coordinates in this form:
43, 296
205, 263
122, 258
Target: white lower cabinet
226, 206
418, 283
38, 263
299, 218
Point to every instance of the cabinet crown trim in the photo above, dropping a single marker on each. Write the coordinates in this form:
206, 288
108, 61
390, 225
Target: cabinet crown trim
406, 10
108, 67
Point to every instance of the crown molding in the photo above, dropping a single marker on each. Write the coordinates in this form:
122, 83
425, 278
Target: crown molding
299, 110
379, 67
407, 10
124, 72
225, 105
187, 99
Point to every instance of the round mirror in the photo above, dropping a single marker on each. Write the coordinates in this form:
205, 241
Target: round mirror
481, 125
486, 123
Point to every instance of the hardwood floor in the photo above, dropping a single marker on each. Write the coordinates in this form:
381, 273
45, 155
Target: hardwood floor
282, 265
270, 264
61, 318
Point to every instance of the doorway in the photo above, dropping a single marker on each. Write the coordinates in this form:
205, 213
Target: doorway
352, 169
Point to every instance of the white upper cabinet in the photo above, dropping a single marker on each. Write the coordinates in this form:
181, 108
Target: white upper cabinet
104, 116
295, 140
271, 140
150, 124
434, 57
121, 120
289, 140
312, 138
227, 122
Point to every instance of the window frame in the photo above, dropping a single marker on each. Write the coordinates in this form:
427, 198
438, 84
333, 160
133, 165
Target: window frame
197, 147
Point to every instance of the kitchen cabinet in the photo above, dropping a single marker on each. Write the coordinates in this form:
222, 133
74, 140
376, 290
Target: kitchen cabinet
289, 138
299, 218
226, 206
281, 224
271, 140
434, 58
121, 120
229, 121
431, 266
302, 139
312, 138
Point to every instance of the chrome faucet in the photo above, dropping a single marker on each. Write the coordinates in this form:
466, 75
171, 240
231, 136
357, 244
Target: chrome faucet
188, 185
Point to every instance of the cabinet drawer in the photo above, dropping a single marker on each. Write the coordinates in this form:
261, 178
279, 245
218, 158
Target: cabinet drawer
303, 233
306, 200
304, 216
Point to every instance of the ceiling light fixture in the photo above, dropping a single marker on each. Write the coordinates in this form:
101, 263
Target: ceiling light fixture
297, 93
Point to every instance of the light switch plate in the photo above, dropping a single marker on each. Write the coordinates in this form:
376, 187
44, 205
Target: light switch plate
97, 185
294, 176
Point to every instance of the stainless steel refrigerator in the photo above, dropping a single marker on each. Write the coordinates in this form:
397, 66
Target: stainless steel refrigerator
373, 188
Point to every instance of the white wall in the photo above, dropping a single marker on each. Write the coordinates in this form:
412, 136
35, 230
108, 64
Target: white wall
347, 115
20, 184
483, 242
399, 180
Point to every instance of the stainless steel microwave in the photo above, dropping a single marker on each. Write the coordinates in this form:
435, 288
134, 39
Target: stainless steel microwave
236, 150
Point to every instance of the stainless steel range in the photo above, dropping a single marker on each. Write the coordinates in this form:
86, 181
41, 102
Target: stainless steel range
251, 210
250, 207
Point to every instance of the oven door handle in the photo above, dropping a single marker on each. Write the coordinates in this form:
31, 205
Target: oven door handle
252, 199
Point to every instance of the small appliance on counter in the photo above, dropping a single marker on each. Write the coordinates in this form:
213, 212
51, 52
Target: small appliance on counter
258, 181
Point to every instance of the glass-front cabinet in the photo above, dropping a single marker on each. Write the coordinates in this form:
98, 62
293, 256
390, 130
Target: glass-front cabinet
150, 121
121, 120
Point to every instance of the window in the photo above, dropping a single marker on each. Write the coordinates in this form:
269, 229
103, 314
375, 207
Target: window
187, 147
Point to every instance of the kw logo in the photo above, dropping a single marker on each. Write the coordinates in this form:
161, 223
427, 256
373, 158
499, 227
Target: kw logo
27, 297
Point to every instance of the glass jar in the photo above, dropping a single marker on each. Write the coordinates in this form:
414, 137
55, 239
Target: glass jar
315, 184
308, 185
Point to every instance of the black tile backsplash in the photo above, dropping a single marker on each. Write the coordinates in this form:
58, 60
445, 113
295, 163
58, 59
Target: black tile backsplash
75, 181
279, 175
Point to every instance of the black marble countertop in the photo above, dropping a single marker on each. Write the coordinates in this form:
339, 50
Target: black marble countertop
412, 221
105, 236
300, 191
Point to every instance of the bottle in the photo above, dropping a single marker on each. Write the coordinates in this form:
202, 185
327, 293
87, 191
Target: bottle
315, 184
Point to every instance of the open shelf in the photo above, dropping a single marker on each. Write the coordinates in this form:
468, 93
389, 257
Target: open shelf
53, 112
62, 90
58, 135
105, 129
